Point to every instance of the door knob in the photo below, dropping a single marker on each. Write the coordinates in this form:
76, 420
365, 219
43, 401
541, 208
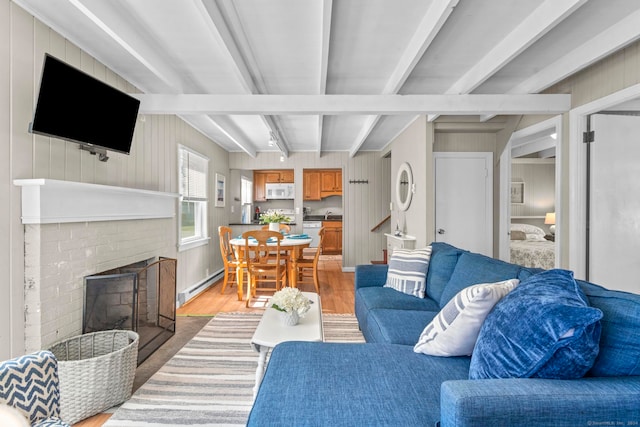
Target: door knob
440, 231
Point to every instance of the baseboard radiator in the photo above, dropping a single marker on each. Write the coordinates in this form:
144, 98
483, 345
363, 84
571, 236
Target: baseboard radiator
194, 290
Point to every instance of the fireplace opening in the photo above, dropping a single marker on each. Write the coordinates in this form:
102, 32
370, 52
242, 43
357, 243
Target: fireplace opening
140, 297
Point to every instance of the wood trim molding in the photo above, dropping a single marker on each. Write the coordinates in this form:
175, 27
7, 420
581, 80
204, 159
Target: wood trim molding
49, 201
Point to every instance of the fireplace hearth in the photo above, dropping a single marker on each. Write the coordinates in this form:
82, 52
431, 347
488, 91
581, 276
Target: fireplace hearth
140, 297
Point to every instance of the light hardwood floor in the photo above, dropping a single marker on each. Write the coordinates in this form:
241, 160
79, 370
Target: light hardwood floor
336, 292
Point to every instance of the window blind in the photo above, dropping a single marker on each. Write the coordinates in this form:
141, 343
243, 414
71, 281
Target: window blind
193, 170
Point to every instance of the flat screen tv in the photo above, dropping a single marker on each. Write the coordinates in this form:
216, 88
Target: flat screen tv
74, 106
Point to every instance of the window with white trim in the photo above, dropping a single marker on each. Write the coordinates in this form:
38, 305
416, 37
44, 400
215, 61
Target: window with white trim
193, 175
246, 190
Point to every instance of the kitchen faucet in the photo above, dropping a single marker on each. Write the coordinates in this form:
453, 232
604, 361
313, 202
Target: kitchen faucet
326, 215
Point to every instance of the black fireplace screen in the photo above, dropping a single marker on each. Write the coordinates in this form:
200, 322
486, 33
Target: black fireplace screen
140, 297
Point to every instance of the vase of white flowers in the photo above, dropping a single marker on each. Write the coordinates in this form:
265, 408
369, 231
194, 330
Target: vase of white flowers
274, 226
290, 319
273, 218
292, 305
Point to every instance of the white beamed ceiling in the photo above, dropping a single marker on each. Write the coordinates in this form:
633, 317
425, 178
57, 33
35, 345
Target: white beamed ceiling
341, 75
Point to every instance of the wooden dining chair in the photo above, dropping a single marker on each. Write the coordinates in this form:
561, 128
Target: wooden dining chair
265, 266
231, 263
308, 266
283, 227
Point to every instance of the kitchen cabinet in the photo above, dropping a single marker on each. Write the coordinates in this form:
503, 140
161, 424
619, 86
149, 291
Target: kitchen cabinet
331, 182
259, 186
279, 176
263, 177
332, 243
311, 185
320, 183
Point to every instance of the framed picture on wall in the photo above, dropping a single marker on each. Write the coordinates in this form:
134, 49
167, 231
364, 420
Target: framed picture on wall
517, 193
220, 190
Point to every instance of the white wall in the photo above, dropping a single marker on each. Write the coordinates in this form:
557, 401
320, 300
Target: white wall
152, 164
411, 147
539, 176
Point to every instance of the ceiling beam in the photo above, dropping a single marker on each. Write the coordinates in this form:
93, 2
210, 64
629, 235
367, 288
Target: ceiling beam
206, 125
597, 47
544, 18
471, 104
452, 127
431, 23
241, 55
109, 19
325, 28
220, 32
251, 81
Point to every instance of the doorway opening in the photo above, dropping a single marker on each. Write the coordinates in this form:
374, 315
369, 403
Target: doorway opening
530, 165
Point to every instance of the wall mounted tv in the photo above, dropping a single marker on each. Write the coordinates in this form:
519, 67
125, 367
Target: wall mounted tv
74, 106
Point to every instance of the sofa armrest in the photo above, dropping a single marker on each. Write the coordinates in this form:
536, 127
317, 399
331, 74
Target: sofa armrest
367, 275
541, 402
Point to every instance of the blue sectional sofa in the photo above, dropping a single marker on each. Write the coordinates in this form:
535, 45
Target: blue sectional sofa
385, 382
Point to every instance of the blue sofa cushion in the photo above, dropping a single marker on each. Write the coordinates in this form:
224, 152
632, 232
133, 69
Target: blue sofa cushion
369, 298
473, 269
408, 271
444, 258
367, 275
329, 384
396, 326
620, 338
544, 328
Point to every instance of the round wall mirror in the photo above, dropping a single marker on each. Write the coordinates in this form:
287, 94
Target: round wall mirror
404, 186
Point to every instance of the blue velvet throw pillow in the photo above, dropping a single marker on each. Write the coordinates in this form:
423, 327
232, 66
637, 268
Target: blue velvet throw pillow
544, 328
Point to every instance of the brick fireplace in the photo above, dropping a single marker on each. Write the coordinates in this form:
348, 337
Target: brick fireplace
73, 230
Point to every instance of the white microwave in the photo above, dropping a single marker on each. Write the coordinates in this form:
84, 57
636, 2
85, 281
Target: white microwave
280, 191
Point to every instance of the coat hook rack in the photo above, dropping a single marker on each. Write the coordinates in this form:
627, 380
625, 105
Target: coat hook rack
358, 181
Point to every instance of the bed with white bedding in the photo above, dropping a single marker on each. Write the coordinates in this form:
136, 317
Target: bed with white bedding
529, 248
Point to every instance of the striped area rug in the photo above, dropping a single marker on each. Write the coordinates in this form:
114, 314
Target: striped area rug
209, 382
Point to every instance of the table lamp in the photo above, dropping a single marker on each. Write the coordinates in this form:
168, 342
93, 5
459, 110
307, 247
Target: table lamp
550, 219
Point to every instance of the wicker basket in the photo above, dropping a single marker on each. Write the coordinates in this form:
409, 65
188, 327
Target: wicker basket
96, 372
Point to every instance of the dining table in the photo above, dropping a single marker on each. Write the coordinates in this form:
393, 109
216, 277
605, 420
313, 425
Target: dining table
293, 244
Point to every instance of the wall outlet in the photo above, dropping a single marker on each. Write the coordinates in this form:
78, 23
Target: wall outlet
297, 210
233, 209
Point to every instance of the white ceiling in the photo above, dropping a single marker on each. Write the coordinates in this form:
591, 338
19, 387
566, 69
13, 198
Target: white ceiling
341, 75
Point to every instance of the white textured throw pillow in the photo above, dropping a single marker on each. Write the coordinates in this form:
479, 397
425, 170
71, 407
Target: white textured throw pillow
408, 271
454, 331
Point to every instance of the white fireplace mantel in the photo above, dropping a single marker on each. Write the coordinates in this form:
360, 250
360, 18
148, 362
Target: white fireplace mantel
47, 201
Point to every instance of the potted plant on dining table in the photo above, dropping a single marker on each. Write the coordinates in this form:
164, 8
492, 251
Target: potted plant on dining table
274, 218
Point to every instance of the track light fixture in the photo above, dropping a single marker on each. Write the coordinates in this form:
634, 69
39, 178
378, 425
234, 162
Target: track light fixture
275, 142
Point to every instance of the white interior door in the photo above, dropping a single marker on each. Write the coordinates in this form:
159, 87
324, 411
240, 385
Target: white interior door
464, 200
614, 225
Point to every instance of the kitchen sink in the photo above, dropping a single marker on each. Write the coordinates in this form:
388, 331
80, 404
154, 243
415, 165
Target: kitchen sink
322, 218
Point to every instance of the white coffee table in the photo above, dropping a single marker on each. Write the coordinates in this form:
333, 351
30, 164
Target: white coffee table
271, 332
